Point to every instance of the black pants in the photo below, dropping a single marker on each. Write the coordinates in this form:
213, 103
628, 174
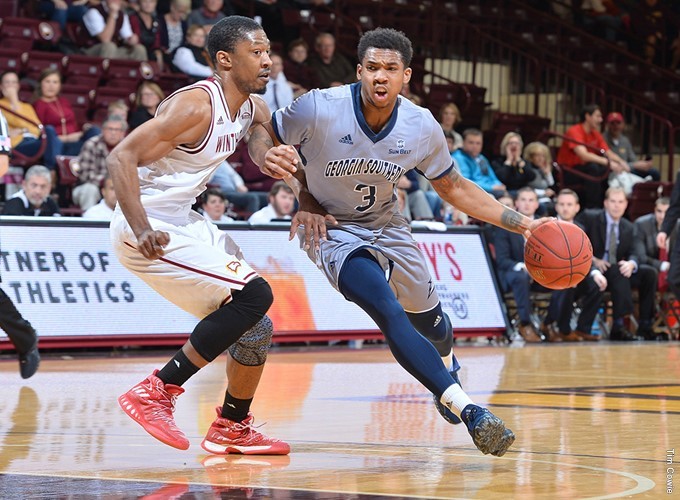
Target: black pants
592, 192
19, 331
590, 297
620, 288
674, 271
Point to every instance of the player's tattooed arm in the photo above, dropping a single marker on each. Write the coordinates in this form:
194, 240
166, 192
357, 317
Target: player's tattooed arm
513, 221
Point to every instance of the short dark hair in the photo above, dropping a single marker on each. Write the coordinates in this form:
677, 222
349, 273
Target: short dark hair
227, 32
386, 38
472, 131
212, 192
588, 109
279, 186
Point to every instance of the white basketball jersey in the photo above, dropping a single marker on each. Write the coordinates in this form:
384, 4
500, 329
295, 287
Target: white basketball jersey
170, 186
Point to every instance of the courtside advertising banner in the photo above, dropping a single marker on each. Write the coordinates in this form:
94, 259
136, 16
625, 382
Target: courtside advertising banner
65, 278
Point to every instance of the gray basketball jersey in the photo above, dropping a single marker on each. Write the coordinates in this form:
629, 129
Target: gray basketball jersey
351, 170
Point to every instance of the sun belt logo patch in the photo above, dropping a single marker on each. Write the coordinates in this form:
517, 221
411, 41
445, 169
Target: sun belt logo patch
234, 266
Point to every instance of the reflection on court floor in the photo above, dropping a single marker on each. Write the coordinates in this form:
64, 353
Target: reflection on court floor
591, 421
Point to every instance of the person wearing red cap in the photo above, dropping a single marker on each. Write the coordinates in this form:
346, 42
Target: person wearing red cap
579, 151
620, 143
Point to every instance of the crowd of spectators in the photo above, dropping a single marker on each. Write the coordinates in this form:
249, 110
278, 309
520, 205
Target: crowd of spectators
173, 39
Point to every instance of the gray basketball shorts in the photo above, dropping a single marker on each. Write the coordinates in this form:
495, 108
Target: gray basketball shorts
398, 255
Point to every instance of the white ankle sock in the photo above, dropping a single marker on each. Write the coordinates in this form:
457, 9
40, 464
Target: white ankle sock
455, 399
448, 360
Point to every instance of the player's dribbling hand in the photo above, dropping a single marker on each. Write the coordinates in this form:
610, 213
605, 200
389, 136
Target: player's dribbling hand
534, 225
280, 161
150, 243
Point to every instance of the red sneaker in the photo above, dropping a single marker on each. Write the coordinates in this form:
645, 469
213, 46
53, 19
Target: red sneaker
226, 436
151, 404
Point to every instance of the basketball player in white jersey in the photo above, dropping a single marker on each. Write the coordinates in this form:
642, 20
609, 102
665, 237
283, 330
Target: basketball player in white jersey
356, 141
158, 171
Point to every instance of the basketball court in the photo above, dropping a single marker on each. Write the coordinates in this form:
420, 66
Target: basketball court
592, 421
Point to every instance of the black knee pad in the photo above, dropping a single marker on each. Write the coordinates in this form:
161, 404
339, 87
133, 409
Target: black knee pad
224, 327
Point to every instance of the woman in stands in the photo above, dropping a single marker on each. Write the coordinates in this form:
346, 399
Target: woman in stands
511, 169
146, 25
449, 117
23, 127
192, 58
149, 96
538, 156
65, 136
174, 27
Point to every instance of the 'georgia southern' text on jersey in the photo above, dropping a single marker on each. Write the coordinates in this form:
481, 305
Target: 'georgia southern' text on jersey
351, 170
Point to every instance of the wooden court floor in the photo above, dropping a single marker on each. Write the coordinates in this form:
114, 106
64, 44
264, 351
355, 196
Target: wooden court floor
592, 421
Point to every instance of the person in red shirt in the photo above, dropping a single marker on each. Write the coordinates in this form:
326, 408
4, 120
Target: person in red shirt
65, 136
588, 152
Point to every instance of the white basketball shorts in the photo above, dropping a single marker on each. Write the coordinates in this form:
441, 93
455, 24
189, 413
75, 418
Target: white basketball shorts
200, 268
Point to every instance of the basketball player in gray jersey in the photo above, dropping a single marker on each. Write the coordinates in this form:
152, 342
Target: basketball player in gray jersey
356, 141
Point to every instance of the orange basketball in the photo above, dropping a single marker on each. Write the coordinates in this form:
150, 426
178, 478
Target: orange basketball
558, 255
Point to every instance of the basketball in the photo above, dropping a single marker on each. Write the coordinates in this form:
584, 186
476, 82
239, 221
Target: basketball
558, 255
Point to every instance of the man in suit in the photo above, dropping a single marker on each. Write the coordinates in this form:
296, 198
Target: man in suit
588, 292
511, 268
618, 254
648, 227
669, 222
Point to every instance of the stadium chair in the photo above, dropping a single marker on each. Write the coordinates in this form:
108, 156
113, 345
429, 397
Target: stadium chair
122, 73
105, 96
644, 196
9, 8
530, 127
67, 178
84, 70
39, 33
21, 160
12, 60
36, 62
81, 98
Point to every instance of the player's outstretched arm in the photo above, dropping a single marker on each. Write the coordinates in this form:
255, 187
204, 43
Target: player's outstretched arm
468, 197
184, 119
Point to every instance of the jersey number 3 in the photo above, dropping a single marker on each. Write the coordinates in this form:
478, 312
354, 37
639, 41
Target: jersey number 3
368, 197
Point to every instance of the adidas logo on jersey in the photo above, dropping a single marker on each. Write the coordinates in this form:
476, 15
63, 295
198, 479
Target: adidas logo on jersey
220, 121
346, 140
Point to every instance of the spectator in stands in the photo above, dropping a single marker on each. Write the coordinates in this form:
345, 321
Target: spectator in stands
92, 161
648, 23
104, 209
24, 135
63, 11
331, 67
192, 58
603, 17
510, 168
300, 76
235, 190
618, 251
149, 96
418, 207
109, 34
118, 108
214, 207
414, 98
146, 25
648, 227
65, 136
281, 205
621, 145
588, 292
670, 221
539, 158
474, 165
511, 268
449, 117
173, 26
34, 198
279, 93
579, 151
209, 13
